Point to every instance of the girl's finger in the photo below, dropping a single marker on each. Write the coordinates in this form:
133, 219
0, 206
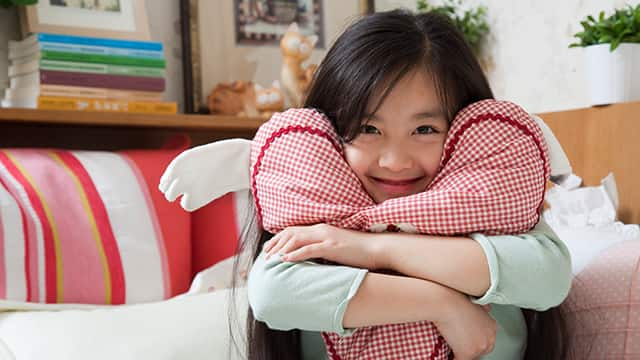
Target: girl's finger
270, 243
291, 245
306, 252
283, 238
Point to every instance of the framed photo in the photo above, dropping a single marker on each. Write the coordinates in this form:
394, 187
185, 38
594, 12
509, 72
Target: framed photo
118, 19
264, 22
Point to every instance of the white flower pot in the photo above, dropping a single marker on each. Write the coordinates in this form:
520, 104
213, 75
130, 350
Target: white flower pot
613, 77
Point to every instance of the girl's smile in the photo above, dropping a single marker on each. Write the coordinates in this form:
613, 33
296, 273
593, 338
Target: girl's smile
400, 187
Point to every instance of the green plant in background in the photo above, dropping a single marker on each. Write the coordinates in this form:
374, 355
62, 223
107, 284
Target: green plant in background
623, 26
7, 3
472, 22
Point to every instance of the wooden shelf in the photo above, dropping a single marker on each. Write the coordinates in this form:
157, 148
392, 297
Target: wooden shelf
119, 119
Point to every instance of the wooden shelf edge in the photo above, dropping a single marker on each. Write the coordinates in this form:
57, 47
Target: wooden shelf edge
96, 118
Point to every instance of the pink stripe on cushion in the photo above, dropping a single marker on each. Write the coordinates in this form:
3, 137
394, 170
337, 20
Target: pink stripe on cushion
156, 225
86, 273
53, 266
110, 255
26, 230
82, 274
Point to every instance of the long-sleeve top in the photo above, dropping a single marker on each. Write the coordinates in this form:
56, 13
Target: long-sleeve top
531, 271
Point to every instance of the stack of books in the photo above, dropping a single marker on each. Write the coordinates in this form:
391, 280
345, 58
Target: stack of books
63, 72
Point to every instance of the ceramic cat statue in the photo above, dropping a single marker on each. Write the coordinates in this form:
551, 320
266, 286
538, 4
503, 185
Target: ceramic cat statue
296, 48
244, 98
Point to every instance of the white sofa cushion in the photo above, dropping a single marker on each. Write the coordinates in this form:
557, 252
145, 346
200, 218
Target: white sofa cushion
186, 327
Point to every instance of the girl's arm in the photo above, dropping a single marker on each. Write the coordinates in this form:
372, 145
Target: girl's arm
531, 270
316, 297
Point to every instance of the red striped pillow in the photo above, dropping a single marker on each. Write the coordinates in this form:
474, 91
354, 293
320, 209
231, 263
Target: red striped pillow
89, 227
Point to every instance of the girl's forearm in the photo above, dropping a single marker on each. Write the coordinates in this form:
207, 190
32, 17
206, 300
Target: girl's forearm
390, 299
456, 262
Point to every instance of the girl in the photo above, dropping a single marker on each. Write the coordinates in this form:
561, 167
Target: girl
387, 73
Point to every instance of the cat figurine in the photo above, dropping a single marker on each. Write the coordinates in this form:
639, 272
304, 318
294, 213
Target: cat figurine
296, 48
268, 100
244, 98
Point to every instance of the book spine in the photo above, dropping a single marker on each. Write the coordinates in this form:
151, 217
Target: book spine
102, 80
101, 68
102, 93
83, 40
100, 50
65, 103
102, 59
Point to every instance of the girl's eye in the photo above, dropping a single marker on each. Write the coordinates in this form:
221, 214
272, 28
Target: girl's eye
425, 130
369, 129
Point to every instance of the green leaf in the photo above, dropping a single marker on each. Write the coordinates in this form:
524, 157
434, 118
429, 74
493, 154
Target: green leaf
472, 22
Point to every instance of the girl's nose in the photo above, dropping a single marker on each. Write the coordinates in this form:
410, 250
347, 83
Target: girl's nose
395, 159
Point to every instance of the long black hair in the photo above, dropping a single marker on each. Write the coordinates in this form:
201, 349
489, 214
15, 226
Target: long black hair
369, 58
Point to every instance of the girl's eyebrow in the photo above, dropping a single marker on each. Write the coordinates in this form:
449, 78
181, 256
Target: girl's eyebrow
427, 114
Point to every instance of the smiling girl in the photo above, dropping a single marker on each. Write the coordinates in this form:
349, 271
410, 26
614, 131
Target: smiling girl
391, 86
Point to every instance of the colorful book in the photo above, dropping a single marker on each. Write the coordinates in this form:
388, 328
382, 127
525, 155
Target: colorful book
82, 92
63, 103
122, 82
42, 64
91, 41
90, 58
18, 52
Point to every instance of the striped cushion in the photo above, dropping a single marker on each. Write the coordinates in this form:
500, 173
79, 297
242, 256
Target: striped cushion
89, 227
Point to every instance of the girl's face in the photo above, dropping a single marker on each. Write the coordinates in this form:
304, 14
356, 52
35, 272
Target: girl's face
398, 149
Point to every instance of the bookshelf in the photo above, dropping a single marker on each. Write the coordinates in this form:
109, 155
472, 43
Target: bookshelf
114, 130
174, 121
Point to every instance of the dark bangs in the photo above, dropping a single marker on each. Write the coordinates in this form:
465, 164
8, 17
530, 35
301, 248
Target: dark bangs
360, 65
378, 50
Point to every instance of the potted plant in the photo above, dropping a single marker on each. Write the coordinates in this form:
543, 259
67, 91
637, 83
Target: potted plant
472, 22
612, 55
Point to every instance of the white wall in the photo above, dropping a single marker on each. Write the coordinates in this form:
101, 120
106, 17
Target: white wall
532, 64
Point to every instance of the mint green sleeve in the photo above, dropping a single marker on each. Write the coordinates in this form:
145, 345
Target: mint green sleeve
304, 295
531, 271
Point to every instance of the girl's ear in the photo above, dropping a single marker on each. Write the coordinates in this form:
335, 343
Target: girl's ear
293, 28
313, 39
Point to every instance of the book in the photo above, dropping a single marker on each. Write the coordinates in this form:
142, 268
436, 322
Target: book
84, 40
108, 81
90, 58
43, 64
64, 103
18, 52
82, 92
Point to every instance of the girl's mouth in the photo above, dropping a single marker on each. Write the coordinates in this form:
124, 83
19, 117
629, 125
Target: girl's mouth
397, 187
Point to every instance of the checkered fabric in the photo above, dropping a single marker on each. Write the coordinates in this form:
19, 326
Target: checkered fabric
418, 340
491, 179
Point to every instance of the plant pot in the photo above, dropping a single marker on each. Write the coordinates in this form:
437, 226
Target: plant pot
613, 77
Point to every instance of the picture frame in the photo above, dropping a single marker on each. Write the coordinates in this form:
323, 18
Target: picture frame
116, 19
264, 23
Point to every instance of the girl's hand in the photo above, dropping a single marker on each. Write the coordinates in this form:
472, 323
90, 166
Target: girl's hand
468, 328
347, 247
